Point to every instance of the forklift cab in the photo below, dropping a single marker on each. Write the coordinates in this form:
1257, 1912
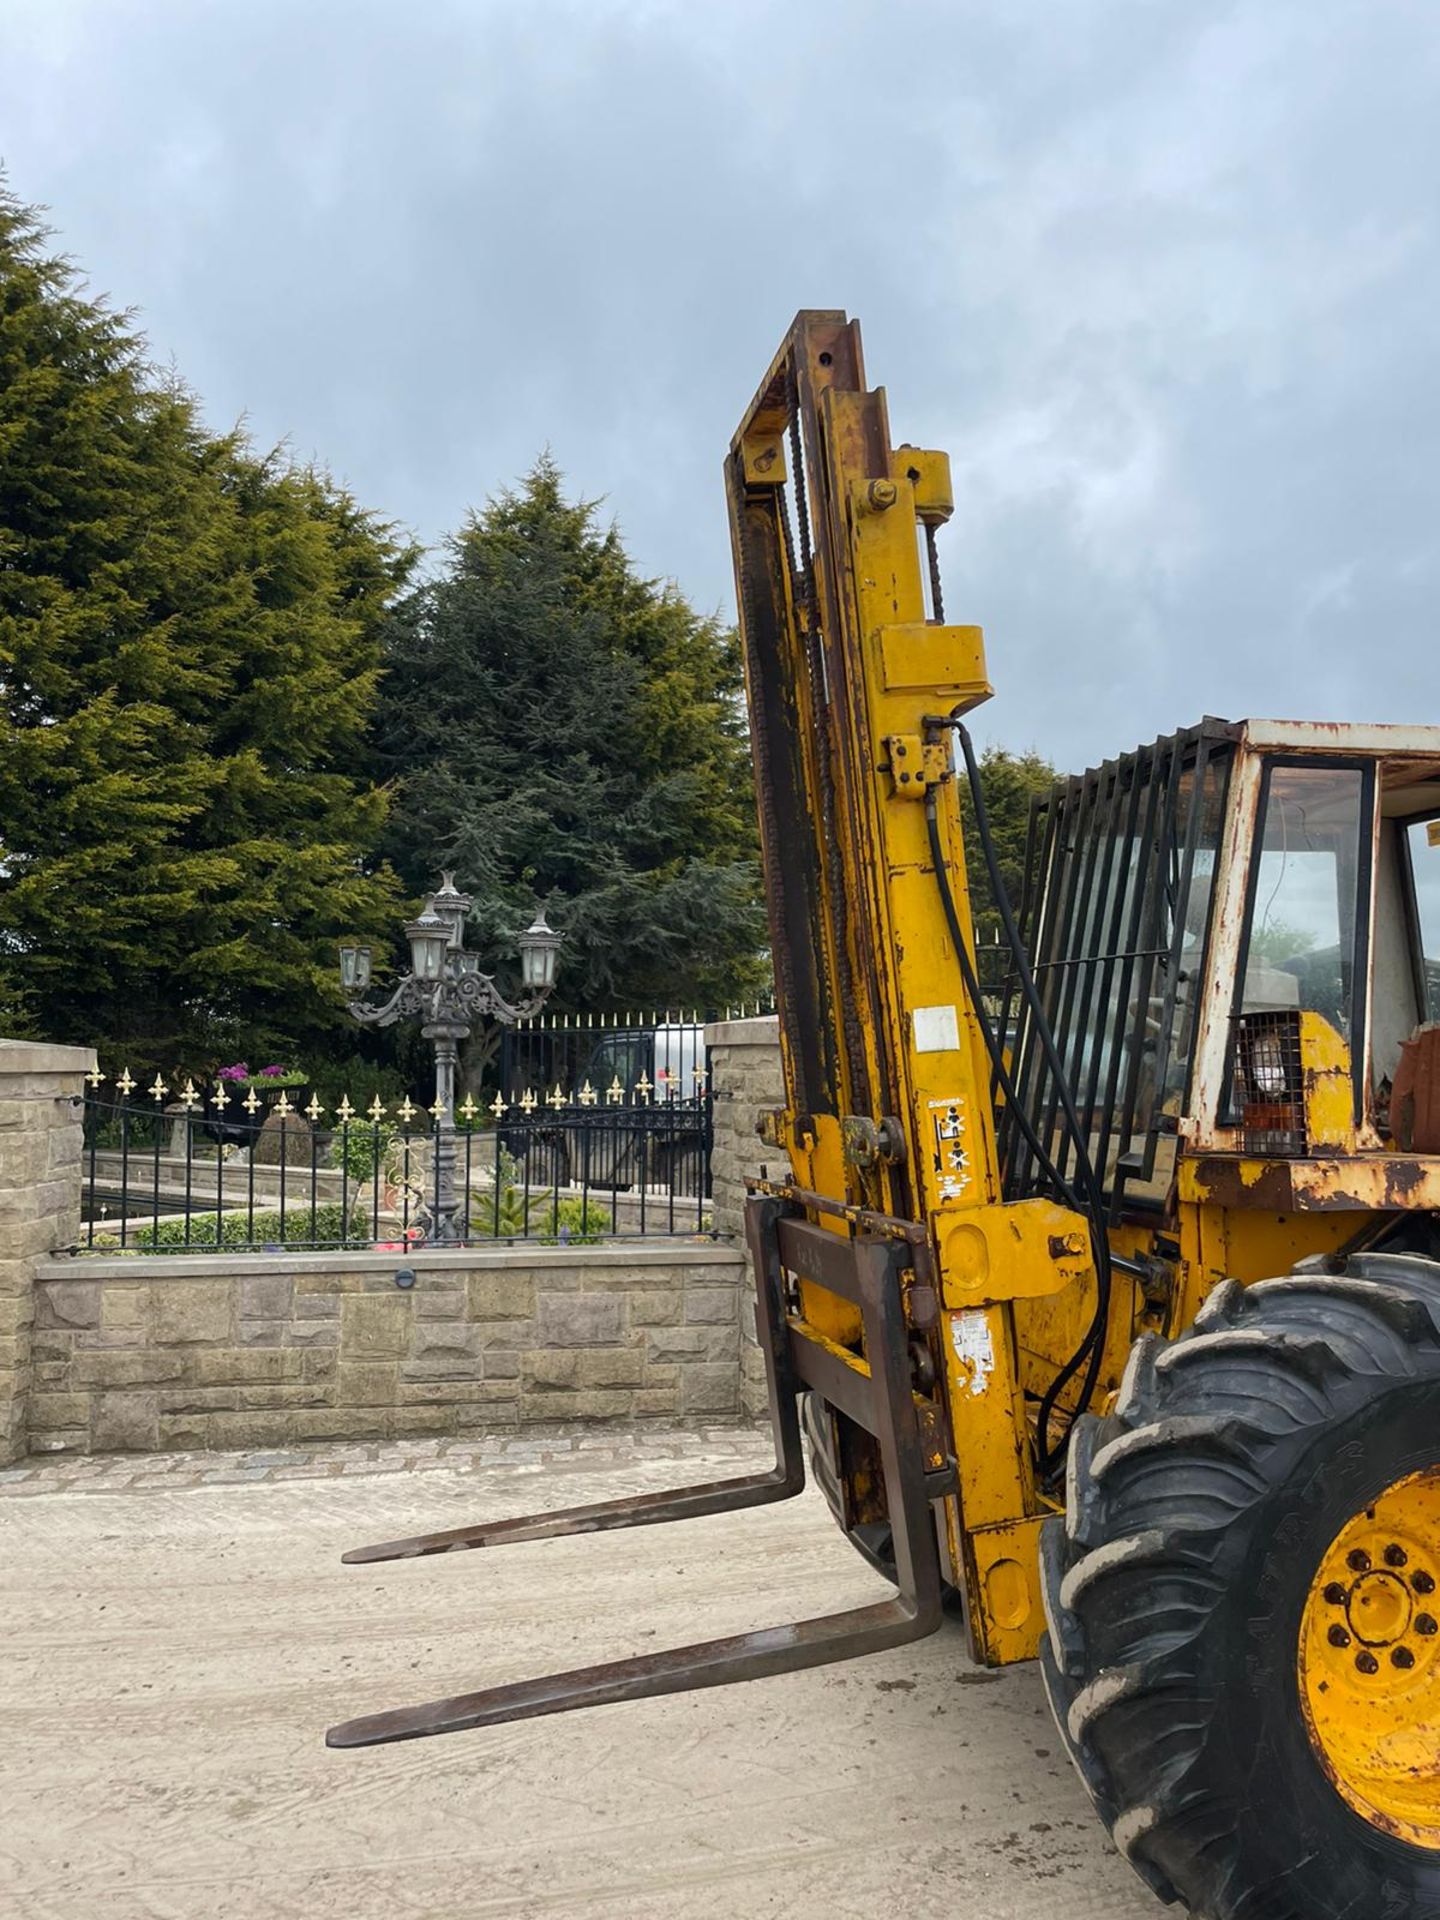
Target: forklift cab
1328, 944
1235, 934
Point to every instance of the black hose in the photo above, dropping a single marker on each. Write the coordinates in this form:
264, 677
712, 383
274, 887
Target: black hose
993, 1046
1092, 1346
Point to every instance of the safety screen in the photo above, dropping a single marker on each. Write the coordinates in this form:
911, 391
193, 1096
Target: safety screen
1114, 918
1269, 1087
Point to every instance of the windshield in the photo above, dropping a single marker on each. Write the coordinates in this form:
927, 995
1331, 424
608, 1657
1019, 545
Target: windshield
1306, 894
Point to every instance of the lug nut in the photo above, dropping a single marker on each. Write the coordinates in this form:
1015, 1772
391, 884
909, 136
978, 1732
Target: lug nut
1396, 1556
1360, 1560
1339, 1637
1367, 1663
1402, 1657
1425, 1623
1423, 1582
1336, 1594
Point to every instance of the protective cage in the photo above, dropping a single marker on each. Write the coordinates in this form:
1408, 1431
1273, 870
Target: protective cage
1115, 920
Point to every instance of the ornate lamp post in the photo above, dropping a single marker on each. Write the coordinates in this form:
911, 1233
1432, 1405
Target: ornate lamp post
446, 988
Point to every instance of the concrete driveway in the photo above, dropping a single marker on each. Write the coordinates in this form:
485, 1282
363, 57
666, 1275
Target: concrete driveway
178, 1633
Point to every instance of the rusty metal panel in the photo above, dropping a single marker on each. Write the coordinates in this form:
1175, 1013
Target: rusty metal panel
1364, 1183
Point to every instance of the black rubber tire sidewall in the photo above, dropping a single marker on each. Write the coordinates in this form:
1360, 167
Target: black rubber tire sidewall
1300, 1834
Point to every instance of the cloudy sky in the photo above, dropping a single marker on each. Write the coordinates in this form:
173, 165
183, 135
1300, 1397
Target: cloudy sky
1161, 275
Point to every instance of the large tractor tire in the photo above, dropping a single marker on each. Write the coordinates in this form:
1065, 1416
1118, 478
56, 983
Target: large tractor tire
1243, 1600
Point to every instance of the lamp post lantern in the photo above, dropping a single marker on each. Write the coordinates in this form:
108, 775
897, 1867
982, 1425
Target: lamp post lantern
446, 988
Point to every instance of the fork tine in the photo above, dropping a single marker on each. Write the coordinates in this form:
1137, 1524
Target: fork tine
642, 1510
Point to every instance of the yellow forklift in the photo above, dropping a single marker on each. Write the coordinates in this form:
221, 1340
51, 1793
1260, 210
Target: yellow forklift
1106, 1289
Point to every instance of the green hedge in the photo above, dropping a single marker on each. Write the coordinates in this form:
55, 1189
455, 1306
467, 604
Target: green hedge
326, 1224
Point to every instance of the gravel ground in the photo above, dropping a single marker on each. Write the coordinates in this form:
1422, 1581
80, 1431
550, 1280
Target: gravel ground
179, 1633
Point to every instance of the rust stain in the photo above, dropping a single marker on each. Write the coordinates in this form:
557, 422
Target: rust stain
1403, 1181
1331, 1184
1238, 1183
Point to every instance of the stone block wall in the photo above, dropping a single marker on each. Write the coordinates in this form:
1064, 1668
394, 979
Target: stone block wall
747, 1078
40, 1148
249, 1350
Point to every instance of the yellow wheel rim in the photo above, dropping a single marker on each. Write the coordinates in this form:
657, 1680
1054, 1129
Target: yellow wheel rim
1370, 1661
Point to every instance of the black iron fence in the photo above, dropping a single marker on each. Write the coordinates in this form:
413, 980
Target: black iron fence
663, 1047
230, 1169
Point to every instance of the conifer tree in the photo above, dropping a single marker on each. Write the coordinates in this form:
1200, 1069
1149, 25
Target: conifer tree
560, 729
189, 654
1010, 782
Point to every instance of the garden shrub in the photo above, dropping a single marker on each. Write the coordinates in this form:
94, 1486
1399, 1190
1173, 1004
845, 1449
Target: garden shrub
325, 1225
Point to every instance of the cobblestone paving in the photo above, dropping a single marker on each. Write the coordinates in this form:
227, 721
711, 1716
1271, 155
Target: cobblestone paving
552, 1447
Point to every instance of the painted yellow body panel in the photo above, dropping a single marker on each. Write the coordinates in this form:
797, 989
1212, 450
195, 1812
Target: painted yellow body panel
1329, 1086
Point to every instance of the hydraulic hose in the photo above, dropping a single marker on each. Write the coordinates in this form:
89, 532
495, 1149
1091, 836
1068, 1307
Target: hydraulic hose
993, 1046
1092, 1346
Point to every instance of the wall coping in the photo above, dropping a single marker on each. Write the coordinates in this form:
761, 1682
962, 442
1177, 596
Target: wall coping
761, 1032
38, 1056
142, 1266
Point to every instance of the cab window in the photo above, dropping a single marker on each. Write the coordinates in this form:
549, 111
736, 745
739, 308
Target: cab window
1422, 840
1306, 919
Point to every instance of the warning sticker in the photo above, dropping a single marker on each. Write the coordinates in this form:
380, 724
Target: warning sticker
953, 1171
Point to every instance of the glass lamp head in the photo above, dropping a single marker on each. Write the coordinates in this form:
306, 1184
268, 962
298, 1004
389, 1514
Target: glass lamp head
452, 907
354, 968
429, 937
539, 950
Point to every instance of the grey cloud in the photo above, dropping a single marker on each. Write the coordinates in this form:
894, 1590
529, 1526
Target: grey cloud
1162, 278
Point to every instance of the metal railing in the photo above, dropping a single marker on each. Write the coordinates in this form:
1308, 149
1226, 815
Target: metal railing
663, 1045
217, 1172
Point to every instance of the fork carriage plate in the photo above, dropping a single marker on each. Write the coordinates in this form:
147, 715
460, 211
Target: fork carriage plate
868, 1267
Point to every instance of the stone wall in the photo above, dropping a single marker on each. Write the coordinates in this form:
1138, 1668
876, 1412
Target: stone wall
144, 1351
746, 1076
40, 1142
254, 1350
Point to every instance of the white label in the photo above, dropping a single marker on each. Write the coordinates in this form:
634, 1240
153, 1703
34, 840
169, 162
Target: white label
952, 1151
974, 1348
937, 1029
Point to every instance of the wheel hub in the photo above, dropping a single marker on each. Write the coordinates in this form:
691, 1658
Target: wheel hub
1369, 1660
1379, 1609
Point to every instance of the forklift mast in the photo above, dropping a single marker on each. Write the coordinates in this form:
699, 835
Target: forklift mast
854, 680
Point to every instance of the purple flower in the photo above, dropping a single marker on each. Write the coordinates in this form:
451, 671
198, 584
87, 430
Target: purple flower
269, 1073
239, 1071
